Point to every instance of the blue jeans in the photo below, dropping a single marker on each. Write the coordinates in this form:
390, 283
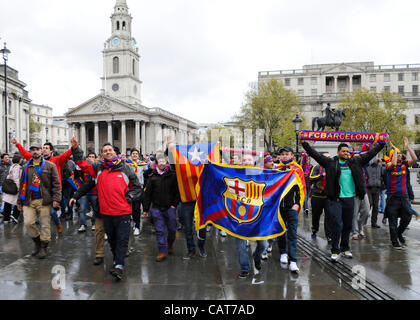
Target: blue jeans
289, 239
85, 201
54, 216
342, 211
381, 207
186, 214
242, 249
269, 243
65, 199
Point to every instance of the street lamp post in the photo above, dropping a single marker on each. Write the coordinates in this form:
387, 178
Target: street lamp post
5, 52
297, 122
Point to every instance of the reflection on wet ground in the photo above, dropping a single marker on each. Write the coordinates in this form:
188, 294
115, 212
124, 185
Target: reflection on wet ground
214, 277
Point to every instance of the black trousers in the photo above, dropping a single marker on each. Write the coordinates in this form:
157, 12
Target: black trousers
319, 205
8, 210
117, 228
374, 194
398, 207
137, 211
342, 211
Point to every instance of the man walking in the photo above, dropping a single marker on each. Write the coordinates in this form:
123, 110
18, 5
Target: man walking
375, 172
39, 191
117, 187
344, 177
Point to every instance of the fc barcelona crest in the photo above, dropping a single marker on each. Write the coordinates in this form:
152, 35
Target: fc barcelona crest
243, 199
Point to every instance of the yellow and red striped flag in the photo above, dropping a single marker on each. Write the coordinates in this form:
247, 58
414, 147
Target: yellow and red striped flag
189, 162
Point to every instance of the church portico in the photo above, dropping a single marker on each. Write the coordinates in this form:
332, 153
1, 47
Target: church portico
117, 115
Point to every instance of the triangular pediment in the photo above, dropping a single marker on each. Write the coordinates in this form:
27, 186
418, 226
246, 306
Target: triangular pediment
342, 68
101, 104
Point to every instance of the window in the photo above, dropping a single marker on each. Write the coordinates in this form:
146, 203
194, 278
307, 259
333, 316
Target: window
39, 120
401, 77
300, 81
373, 89
116, 65
90, 134
314, 92
387, 88
387, 77
314, 80
372, 78
415, 76
116, 134
118, 25
401, 89
39, 110
46, 121
123, 26
287, 82
134, 67
417, 119
415, 90
301, 92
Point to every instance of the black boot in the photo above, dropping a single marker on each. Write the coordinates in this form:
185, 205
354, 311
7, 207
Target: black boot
43, 251
37, 247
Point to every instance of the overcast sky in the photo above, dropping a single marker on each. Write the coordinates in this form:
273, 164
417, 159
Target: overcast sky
198, 57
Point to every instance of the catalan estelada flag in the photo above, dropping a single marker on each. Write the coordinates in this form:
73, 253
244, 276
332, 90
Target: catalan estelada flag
245, 201
189, 162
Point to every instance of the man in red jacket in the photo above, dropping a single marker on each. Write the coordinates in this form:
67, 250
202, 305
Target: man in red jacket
47, 153
117, 186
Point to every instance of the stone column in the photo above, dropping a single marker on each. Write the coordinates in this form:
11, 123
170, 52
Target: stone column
335, 84
96, 137
110, 133
83, 136
351, 83
123, 137
158, 137
137, 135
143, 137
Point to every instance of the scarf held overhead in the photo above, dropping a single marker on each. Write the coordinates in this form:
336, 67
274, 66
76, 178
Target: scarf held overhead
344, 136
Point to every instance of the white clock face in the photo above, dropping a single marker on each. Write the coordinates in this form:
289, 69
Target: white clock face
133, 44
116, 41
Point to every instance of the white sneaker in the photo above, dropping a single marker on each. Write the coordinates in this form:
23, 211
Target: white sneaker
347, 254
284, 258
82, 228
93, 228
105, 237
137, 232
334, 257
248, 243
270, 248
293, 267
223, 233
264, 256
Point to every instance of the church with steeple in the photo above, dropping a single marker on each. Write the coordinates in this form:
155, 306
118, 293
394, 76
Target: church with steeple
117, 114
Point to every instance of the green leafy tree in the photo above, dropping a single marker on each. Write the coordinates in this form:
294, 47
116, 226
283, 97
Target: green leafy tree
270, 106
368, 111
34, 129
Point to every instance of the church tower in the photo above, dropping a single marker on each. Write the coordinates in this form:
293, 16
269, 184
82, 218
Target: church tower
121, 58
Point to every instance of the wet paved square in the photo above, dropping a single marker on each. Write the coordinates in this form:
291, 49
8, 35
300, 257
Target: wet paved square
214, 277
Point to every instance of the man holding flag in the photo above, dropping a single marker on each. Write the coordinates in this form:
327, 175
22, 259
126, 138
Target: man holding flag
189, 162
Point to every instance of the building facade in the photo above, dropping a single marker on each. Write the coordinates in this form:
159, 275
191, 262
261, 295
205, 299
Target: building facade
117, 115
320, 84
18, 110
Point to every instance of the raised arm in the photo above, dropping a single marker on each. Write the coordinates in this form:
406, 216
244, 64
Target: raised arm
412, 153
322, 160
25, 153
366, 157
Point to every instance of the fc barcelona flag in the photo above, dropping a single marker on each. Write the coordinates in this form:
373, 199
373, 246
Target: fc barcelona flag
245, 201
189, 162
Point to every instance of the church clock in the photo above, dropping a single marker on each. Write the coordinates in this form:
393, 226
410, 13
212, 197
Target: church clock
116, 41
115, 87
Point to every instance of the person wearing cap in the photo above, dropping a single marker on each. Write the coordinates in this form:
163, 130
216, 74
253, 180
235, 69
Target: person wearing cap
398, 203
289, 207
40, 190
344, 177
59, 161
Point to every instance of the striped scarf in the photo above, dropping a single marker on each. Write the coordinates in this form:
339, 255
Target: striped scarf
108, 164
36, 181
133, 164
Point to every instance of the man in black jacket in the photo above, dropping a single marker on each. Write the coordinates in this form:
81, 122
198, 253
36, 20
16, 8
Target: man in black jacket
344, 182
375, 172
162, 191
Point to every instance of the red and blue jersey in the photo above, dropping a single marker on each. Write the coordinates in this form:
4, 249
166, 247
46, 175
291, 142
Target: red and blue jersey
397, 179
